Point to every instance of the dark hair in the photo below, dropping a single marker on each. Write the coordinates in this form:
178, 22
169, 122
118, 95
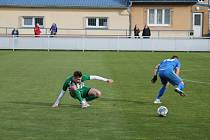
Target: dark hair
174, 56
77, 74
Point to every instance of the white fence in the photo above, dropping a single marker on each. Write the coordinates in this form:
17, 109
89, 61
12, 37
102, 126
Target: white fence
104, 43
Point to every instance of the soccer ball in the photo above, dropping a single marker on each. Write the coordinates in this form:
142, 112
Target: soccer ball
162, 111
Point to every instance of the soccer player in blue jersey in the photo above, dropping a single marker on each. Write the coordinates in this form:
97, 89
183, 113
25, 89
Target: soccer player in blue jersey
168, 71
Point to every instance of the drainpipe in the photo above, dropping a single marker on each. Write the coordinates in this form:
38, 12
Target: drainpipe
208, 17
129, 12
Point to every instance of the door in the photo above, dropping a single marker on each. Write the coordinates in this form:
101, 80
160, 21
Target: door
197, 24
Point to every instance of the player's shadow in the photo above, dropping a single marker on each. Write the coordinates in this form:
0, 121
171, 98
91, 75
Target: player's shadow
123, 100
42, 104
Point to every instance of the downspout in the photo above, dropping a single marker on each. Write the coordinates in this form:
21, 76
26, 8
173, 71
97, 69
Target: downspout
208, 18
129, 12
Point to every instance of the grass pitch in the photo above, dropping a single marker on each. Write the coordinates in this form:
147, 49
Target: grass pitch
30, 81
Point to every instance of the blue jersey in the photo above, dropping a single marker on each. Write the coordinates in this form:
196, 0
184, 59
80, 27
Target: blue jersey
169, 65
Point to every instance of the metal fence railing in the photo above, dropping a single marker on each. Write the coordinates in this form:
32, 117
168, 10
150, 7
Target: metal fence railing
103, 32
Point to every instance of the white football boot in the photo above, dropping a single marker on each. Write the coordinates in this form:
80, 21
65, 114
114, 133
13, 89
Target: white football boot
157, 101
84, 104
181, 93
55, 105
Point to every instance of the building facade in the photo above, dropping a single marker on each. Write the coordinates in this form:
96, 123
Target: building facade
201, 18
104, 17
165, 18
171, 18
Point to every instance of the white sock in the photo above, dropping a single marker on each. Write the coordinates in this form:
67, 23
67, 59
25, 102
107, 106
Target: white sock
83, 101
58, 100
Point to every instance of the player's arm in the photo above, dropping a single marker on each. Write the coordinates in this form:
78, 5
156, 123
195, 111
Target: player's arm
95, 77
156, 69
155, 72
177, 71
62, 92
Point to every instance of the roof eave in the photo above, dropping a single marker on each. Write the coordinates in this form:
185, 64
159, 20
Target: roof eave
62, 7
165, 2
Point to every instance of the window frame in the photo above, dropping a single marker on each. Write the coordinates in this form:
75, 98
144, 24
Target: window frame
33, 21
201, 1
209, 21
97, 23
156, 16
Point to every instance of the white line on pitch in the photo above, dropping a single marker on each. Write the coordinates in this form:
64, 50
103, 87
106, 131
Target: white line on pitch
196, 81
196, 70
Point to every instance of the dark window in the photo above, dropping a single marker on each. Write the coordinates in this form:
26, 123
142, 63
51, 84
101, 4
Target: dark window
102, 21
197, 20
39, 20
91, 21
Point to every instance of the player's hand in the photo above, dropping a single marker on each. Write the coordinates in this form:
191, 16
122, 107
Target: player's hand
154, 79
110, 81
72, 88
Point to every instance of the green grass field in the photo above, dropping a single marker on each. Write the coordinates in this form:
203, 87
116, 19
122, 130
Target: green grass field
31, 80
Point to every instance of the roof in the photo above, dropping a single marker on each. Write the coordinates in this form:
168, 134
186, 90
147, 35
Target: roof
65, 3
205, 5
164, 1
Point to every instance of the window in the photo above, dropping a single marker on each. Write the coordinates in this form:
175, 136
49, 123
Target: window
92, 22
200, 0
103, 22
31, 21
100, 22
197, 20
28, 21
159, 17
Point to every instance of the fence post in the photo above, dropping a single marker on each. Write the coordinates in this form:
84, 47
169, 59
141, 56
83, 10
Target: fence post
83, 43
46, 31
118, 43
209, 42
153, 45
13, 43
6, 31
48, 43
85, 32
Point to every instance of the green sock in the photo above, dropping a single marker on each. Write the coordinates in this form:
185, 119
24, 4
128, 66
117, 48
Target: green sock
77, 95
90, 98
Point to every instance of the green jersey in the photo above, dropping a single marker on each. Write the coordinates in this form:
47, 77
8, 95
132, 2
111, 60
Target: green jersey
69, 82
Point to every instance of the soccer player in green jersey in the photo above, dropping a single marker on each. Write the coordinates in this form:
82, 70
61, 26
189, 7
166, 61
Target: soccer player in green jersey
78, 90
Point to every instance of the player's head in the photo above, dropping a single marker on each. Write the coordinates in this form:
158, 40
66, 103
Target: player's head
174, 57
77, 76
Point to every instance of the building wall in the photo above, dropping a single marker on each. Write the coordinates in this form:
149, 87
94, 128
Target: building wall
66, 18
205, 13
181, 19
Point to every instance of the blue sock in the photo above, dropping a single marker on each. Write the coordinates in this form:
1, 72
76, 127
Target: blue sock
181, 86
161, 92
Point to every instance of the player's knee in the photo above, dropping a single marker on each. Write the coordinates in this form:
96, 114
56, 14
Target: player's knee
165, 85
95, 92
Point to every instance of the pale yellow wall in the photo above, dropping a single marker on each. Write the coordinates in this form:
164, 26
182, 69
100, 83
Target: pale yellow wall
181, 17
205, 13
64, 18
